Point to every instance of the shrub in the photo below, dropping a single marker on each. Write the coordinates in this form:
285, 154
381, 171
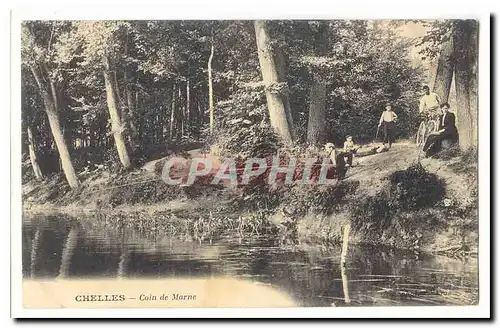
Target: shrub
144, 193
324, 199
371, 214
415, 188
408, 190
446, 154
244, 128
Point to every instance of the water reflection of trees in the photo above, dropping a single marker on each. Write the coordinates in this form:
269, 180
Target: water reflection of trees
42, 247
34, 252
313, 277
66, 248
68, 251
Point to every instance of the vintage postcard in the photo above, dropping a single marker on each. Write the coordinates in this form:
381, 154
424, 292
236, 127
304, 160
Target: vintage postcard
252, 164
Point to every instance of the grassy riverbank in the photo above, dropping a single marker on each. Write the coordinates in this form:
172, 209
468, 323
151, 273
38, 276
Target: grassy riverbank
408, 202
394, 198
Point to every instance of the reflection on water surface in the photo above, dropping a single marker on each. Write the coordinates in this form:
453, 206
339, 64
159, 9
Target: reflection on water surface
62, 247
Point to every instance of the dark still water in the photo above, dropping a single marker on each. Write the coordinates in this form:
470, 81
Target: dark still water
312, 276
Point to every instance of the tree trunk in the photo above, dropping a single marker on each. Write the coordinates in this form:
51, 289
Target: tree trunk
91, 139
464, 117
65, 122
188, 115
119, 101
473, 91
33, 156
464, 48
211, 89
272, 67
50, 102
161, 123
116, 124
181, 112
316, 125
199, 117
131, 111
139, 124
172, 115
444, 72
180, 132
64, 156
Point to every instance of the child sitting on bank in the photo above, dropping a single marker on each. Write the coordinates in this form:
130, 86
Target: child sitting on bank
350, 148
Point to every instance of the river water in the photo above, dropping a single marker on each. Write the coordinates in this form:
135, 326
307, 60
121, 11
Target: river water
310, 275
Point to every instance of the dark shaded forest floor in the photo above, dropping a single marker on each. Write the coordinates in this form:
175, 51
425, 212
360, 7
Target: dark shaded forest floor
140, 196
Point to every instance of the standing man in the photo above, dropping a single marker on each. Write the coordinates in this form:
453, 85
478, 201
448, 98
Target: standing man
430, 102
388, 124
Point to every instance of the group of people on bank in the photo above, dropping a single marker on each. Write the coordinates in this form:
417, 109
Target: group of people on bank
430, 104
430, 107
447, 131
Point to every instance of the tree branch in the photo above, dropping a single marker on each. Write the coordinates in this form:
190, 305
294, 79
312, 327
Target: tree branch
50, 39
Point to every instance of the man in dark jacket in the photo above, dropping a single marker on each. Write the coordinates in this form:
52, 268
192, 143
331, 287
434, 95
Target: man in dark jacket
447, 131
337, 159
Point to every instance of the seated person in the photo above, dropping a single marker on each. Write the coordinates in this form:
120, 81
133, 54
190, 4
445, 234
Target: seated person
447, 131
337, 159
349, 149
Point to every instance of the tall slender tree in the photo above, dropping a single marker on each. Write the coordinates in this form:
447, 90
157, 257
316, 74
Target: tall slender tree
98, 48
117, 126
29, 118
35, 56
272, 66
33, 156
210, 86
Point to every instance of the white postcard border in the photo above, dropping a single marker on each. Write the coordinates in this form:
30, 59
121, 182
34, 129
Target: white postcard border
205, 10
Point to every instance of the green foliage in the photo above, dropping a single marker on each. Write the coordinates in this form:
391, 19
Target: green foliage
363, 63
462, 217
412, 189
243, 129
321, 199
143, 193
440, 31
415, 188
364, 67
371, 214
462, 161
